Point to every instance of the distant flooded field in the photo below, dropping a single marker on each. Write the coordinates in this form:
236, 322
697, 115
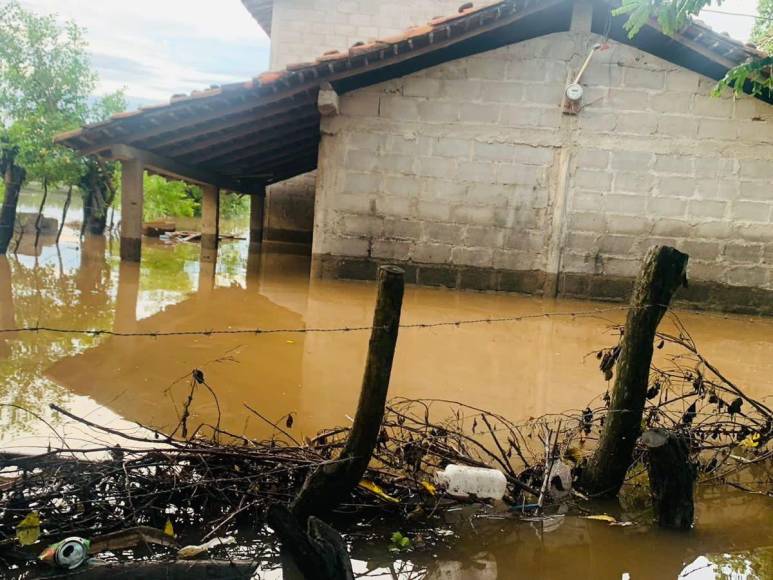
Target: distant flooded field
520, 368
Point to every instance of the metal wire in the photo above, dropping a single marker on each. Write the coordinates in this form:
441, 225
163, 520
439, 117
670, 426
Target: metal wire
413, 325
259, 331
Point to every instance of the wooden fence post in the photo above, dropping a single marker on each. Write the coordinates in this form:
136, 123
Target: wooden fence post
662, 273
672, 478
317, 551
326, 487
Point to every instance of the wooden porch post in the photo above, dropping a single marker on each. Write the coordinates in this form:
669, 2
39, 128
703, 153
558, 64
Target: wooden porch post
257, 213
131, 209
210, 222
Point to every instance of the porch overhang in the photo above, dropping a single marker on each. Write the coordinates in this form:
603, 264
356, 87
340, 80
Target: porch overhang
232, 137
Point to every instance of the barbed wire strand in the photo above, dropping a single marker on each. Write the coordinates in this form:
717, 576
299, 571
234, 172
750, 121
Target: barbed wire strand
413, 325
260, 331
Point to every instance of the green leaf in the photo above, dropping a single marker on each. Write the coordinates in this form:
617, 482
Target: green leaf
28, 530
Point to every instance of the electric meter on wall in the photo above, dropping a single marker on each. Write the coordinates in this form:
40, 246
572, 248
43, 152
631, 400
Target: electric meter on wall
574, 92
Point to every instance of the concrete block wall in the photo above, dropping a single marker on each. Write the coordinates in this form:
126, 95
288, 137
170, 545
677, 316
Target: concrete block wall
469, 174
659, 160
302, 30
290, 210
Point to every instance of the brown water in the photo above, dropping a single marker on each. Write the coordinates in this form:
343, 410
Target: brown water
519, 369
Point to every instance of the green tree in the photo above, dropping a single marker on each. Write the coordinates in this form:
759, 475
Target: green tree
45, 82
762, 34
164, 198
673, 15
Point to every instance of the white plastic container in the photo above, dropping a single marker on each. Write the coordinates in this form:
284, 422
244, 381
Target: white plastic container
464, 481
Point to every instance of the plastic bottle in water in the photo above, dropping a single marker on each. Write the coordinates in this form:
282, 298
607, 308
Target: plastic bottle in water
464, 481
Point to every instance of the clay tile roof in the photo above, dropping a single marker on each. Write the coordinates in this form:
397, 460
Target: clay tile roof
331, 55
270, 77
365, 48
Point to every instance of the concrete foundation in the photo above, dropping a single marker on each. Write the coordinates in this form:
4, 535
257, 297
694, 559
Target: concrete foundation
701, 295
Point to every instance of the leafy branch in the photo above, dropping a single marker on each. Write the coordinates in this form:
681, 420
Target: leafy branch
754, 76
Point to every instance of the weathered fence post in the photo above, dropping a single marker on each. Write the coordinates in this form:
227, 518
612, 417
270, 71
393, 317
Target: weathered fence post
326, 487
672, 478
663, 271
317, 551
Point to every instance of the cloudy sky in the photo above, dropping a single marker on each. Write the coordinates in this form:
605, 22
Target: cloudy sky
156, 48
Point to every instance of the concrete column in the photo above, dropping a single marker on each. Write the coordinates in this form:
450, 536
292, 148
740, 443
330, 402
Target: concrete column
257, 214
210, 222
131, 209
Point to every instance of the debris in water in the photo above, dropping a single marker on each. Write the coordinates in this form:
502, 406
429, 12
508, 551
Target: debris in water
601, 518
68, 554
28, 530
465, 481
188, 552
376, 489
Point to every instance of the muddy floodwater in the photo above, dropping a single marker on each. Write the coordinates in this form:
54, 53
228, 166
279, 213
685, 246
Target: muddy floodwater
519, 368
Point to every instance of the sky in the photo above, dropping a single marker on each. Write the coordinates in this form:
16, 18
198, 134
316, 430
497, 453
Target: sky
156, 48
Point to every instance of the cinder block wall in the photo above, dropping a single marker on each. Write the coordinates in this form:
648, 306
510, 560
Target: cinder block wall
301, 31
469, 175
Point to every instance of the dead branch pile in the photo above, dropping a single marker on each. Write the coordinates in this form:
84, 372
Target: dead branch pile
217, 482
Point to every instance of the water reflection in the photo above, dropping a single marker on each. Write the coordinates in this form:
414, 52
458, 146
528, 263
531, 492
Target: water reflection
732, 542
522, 369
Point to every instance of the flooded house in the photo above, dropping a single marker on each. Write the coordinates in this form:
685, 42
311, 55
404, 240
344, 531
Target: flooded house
528, 149
521, 145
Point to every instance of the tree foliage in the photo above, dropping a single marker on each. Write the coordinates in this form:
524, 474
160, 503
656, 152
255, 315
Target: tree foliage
755, 76
165, 198
46, 88
45, 84
762, 34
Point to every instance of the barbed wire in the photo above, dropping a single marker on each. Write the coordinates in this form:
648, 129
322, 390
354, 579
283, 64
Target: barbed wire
414, 325
261, 331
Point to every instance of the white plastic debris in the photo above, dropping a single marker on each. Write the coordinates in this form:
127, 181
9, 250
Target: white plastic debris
193, 551
464, 481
